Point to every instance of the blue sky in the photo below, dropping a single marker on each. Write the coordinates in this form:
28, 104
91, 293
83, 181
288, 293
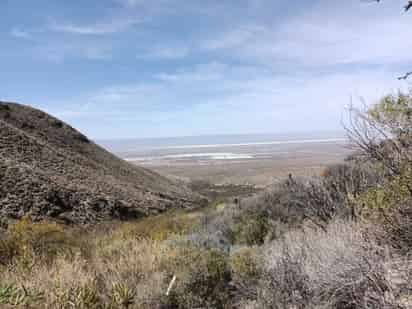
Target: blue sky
136, 68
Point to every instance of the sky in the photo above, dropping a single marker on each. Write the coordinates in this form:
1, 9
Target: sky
138, 68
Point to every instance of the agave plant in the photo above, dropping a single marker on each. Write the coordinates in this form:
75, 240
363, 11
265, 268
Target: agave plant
12, 295
122, 295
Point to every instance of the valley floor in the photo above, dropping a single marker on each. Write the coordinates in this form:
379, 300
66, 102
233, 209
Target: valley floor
266, 165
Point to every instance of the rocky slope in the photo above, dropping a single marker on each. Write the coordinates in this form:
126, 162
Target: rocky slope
50, 170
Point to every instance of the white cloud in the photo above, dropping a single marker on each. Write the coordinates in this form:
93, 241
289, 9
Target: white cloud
261, 74
340, 40
214, 98
328, 33
110, 27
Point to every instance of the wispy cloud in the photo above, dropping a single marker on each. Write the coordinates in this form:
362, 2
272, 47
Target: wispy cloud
164, 52
20, 34
110, 27
230, 96
199, 67
326, 34
233, 38
131, 3
143, 3
58, 52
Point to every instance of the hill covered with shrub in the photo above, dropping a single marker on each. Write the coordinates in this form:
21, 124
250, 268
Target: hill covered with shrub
50, 170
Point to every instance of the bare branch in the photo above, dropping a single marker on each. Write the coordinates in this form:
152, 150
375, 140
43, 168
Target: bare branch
404, 77
408, 6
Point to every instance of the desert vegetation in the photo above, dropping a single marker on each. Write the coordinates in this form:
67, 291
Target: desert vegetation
341, 239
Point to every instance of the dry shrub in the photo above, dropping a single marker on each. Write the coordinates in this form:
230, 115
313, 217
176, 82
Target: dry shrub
128, 272
294, 201
7, 251
160, 227
351, 178
28, 243
245, 263
122, 269
333, 269
247, 269
397, 225
135, 264
348, 181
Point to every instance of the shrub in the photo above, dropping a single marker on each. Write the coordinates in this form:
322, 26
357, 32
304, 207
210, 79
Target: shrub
203, 278
351, 178
246, 268
250, 229
348, 181
333, 269
7, 251
160, 227
244, 263
396, 224
293, 201
36, 242
383, 133
390, 207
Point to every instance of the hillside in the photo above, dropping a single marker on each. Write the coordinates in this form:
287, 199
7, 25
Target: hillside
50, 170
341, 239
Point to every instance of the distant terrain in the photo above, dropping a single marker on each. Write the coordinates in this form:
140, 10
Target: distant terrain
50, 170
300, 160
256, 160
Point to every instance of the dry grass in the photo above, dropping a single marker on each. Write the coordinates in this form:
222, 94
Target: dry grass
117, 271
264, 252
122, 267
161, 227
128, 266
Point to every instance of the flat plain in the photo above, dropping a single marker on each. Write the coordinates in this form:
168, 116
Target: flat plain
258, 165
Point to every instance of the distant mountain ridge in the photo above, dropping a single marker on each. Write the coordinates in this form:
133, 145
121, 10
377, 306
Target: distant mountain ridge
50, 170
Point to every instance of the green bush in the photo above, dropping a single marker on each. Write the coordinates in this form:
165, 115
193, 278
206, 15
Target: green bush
251, 229
203, 278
